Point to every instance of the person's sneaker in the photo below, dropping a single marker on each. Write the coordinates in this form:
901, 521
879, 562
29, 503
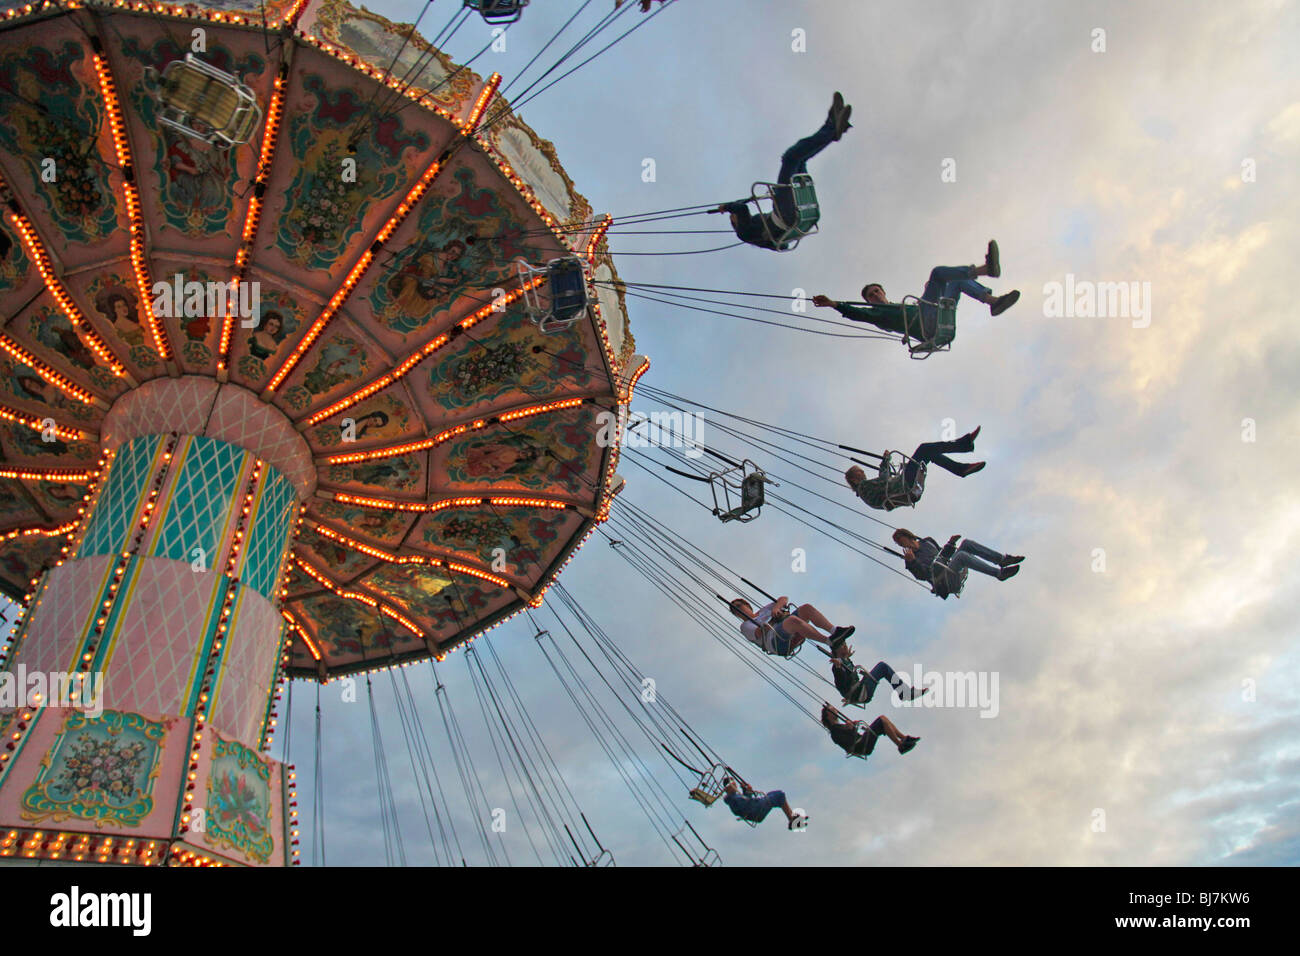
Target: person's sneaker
974, 434
974, 467
991, 260
1009, 572
1011, 559
908, 743
798, 821
916, 693
1004, 302
840, 635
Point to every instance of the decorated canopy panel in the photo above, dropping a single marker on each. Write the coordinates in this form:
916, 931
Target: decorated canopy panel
358, 261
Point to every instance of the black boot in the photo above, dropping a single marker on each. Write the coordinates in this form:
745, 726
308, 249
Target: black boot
1004, 302
992, 262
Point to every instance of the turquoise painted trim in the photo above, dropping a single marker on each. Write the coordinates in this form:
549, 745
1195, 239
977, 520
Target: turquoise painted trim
209, 638
111, 523
201, 499
267, 537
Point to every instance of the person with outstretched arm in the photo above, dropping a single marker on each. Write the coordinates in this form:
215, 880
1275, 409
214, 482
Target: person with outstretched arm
920, 554
945, 282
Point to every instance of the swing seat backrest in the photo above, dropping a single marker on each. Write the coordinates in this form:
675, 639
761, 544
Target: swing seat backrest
751, 491
921, 345
942, 572
786, 235
807, 212
898, 494
866, 743
568, 284
193, 91
863, 689
498, 11
565, 299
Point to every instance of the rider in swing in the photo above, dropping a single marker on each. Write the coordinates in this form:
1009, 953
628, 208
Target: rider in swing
858, 686
858, 739
763, 230
946, 282
778, 632
754, 808
888, 491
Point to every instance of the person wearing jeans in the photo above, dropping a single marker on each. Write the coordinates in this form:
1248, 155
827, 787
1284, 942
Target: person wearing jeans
858, 686
976, 557
760, 230
948, 282
754, 808
778, 632
920, 555
889, 491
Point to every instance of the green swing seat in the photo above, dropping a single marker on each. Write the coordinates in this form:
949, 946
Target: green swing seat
919, 344
782, 234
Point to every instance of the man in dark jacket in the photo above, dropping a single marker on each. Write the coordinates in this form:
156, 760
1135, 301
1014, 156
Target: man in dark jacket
946, 282
761, 230
920, 554
858, 686
888, 491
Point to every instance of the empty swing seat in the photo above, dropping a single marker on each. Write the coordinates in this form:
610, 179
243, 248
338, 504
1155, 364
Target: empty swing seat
498, 11
566, 298
710, 789
747, 481
202, 101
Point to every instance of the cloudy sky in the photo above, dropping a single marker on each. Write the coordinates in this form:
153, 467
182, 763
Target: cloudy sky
1147, 709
